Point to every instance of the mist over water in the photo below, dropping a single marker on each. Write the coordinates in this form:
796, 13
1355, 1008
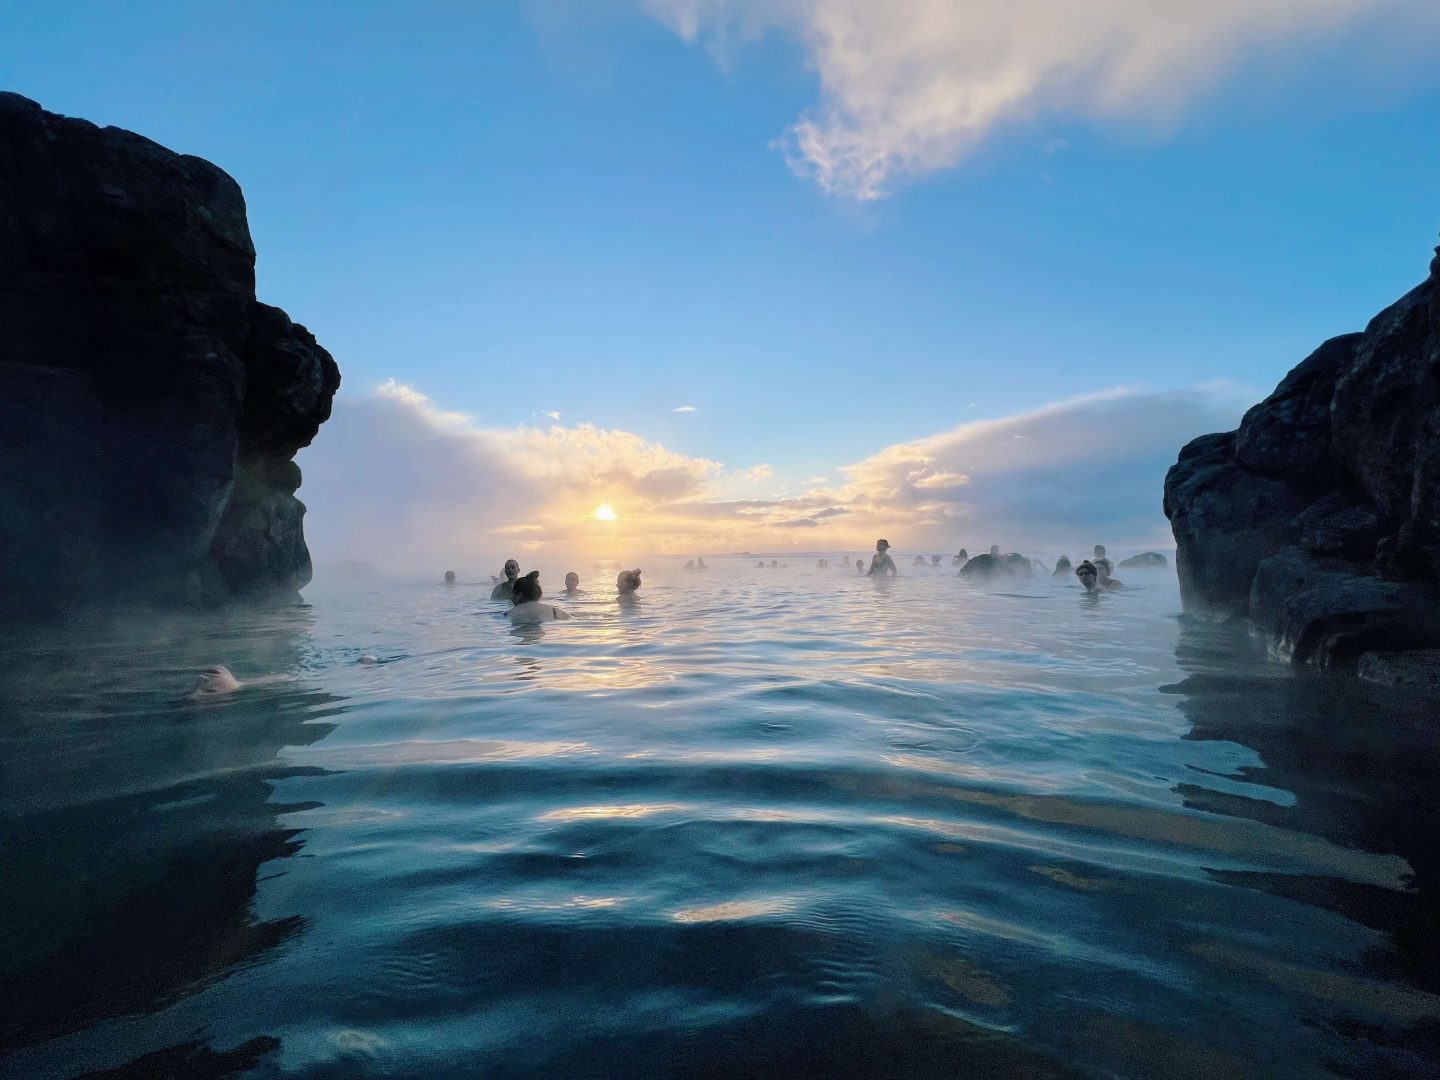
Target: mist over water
766, 822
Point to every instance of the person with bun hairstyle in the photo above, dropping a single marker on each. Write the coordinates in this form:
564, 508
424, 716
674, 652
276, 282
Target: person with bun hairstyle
525, 596
626, 584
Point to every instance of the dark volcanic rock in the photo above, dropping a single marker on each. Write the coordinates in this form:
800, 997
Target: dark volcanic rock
1146, 560
984, 566
1320, 517
150, 408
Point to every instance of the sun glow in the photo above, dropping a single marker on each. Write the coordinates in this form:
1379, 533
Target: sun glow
604, 512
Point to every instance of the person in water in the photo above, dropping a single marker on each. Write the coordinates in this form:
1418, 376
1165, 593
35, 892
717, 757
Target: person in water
994, 551
700, 565
1103, 564
503, 586
919, 560
218, 681
449, 577
961, 558
572, 584
1063, 569
626, 584
881, 563
525, 596
1089, 575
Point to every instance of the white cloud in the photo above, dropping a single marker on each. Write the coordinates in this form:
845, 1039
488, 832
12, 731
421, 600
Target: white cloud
908, 87
393, 473
685, 408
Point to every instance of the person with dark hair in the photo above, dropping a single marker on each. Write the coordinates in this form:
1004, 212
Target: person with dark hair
700, 564
572, 584
919, 560
525, 596
504, 585
625, 584
449, 577
1090, 577
860, 566
881, 563
1063, 569
961, 558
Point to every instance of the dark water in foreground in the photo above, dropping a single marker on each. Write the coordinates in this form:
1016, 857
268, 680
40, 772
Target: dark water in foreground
765, 824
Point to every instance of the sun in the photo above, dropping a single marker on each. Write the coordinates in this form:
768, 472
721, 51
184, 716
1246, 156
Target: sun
604, 512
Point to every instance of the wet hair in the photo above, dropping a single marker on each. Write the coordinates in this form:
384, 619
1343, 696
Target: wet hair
449, 577
1086, 567
572, 576
627, 575
882, 541
1100, 550
526, 588
1062, 563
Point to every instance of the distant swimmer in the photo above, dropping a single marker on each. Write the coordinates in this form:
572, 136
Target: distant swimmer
572, 583
860, 566
934, 560
700, 565
1063, 569
994, 551
504, 586
919, 561
626, 583
1103, 564
1089, 575
881, 563
961, 558
690, 564
526, 598
449, 577
761, 565
218, 681
774, 562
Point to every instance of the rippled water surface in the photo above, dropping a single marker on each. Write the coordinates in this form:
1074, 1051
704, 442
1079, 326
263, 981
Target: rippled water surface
784, 822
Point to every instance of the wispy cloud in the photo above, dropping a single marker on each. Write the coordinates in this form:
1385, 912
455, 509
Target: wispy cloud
685, 408
911, 86
758, 474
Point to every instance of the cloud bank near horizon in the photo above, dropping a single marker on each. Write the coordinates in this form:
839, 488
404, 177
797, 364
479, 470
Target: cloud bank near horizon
910, 88
396, 480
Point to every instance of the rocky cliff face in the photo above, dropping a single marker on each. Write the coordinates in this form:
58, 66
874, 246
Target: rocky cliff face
1320, 517
150, 407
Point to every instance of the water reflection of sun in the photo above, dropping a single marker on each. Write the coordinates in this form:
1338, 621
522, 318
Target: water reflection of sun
605, 512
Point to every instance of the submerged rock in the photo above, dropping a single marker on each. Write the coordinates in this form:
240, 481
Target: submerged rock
1319, 519
151, 406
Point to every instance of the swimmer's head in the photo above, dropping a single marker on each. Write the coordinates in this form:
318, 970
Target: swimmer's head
526, 588
215, 680
881, 545
512, 569
627, 581
1087, 574
995, 550
1062, 563
449, 577
860, 565
572, 581
1099, 551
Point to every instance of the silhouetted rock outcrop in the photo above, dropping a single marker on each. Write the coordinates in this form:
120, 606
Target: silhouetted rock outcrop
1320, 517
150, 407
985, 566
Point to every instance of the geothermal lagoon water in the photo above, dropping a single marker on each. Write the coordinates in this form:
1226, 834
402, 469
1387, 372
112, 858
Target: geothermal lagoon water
781, 822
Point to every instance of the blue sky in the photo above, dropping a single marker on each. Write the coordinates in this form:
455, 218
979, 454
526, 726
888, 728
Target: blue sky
588, 208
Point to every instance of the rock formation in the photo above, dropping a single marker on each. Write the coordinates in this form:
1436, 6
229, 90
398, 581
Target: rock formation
1320, 517
150, 407
1146, 560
